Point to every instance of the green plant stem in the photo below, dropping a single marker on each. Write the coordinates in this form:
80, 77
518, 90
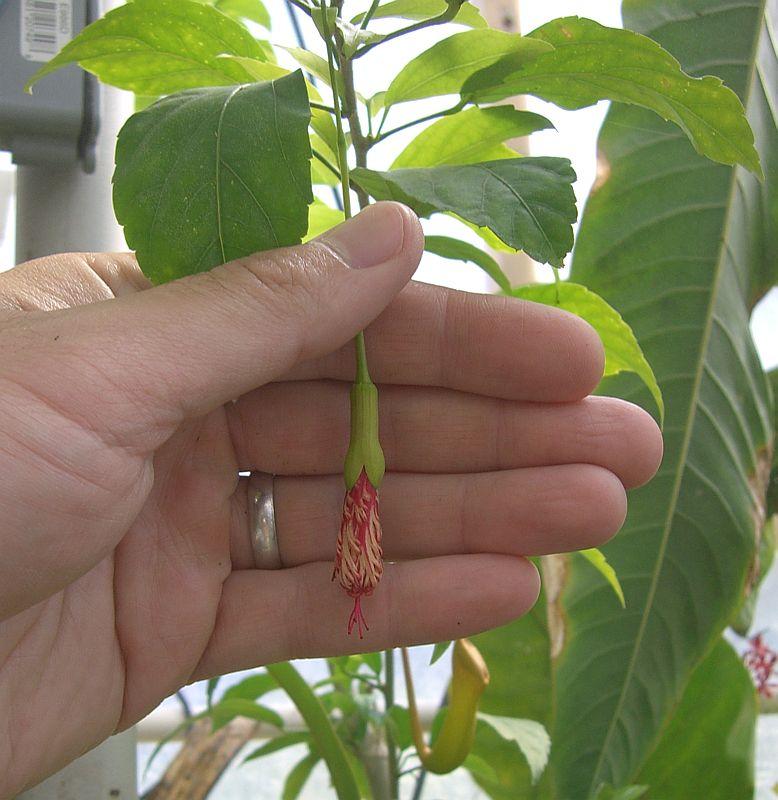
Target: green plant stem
331, 167
361, 147
447, 112
394, 777
321, 106
304, 7
351, 112
369, 15
363, 375
381, 124
451, 11
557, 281
342, 147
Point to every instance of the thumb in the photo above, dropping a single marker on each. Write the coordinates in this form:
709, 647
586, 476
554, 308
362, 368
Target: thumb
191, 345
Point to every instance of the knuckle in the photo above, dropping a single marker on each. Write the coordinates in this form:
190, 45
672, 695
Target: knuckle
287, 279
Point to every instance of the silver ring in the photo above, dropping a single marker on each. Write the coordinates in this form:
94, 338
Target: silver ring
262, 522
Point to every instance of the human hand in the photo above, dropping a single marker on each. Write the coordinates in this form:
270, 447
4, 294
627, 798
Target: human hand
127, 570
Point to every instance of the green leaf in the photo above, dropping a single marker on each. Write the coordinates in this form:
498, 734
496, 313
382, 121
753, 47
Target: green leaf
298, 777
708, 748
440, 648
445, 67
221, 713
464, 251
376, 102
374, 662
311, 62
671, 240
590, 62
480, 768
280, 742
354, 37
468, 14
607, 792
210, 689
325, 739
251, 688
197, 176
622, 351
227, 709
597, 559
257, 70
527, 202
530, 736
323, 125
321, 174
330, 16
519, 660
252, 10
168, 737
156, 47
400, 720
772, 486
476, 134
321, 218
765, 555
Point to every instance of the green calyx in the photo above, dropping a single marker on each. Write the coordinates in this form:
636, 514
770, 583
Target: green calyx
364, 450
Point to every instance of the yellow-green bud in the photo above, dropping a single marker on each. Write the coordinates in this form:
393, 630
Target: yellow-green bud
364, 450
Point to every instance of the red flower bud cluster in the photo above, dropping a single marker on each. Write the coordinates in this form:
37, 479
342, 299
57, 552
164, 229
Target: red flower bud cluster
761, 661
358, 557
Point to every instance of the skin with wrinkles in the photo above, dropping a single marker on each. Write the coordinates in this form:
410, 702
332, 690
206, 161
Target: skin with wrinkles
127, 411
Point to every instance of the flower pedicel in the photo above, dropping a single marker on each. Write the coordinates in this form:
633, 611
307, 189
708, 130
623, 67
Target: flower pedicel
358, 556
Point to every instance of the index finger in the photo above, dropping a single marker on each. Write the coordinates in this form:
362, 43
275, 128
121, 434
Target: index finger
480, 343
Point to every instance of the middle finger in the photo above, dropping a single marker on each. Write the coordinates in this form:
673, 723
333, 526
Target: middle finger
302, 429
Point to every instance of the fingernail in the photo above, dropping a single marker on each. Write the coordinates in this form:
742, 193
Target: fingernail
372, 237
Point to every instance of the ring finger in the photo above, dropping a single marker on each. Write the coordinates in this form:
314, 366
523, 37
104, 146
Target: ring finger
515, 512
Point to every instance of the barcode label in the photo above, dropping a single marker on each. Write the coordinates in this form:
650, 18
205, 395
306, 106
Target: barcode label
46, 27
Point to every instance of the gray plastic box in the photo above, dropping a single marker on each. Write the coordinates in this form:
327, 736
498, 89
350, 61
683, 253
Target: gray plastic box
57, 124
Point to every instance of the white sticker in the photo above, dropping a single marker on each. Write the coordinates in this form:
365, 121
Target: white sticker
46, 27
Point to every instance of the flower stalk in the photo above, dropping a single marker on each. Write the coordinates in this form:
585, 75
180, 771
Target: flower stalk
358, 555
469, 678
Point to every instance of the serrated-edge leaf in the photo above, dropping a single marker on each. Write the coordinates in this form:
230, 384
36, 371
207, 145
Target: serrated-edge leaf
622, 350
470, 136
111, 46
238, 210
527, 202
321, 218
597, 559
458, 250
530, 736
639, 72
444, 67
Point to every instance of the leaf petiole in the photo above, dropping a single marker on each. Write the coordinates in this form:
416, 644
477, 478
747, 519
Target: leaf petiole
445, 113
